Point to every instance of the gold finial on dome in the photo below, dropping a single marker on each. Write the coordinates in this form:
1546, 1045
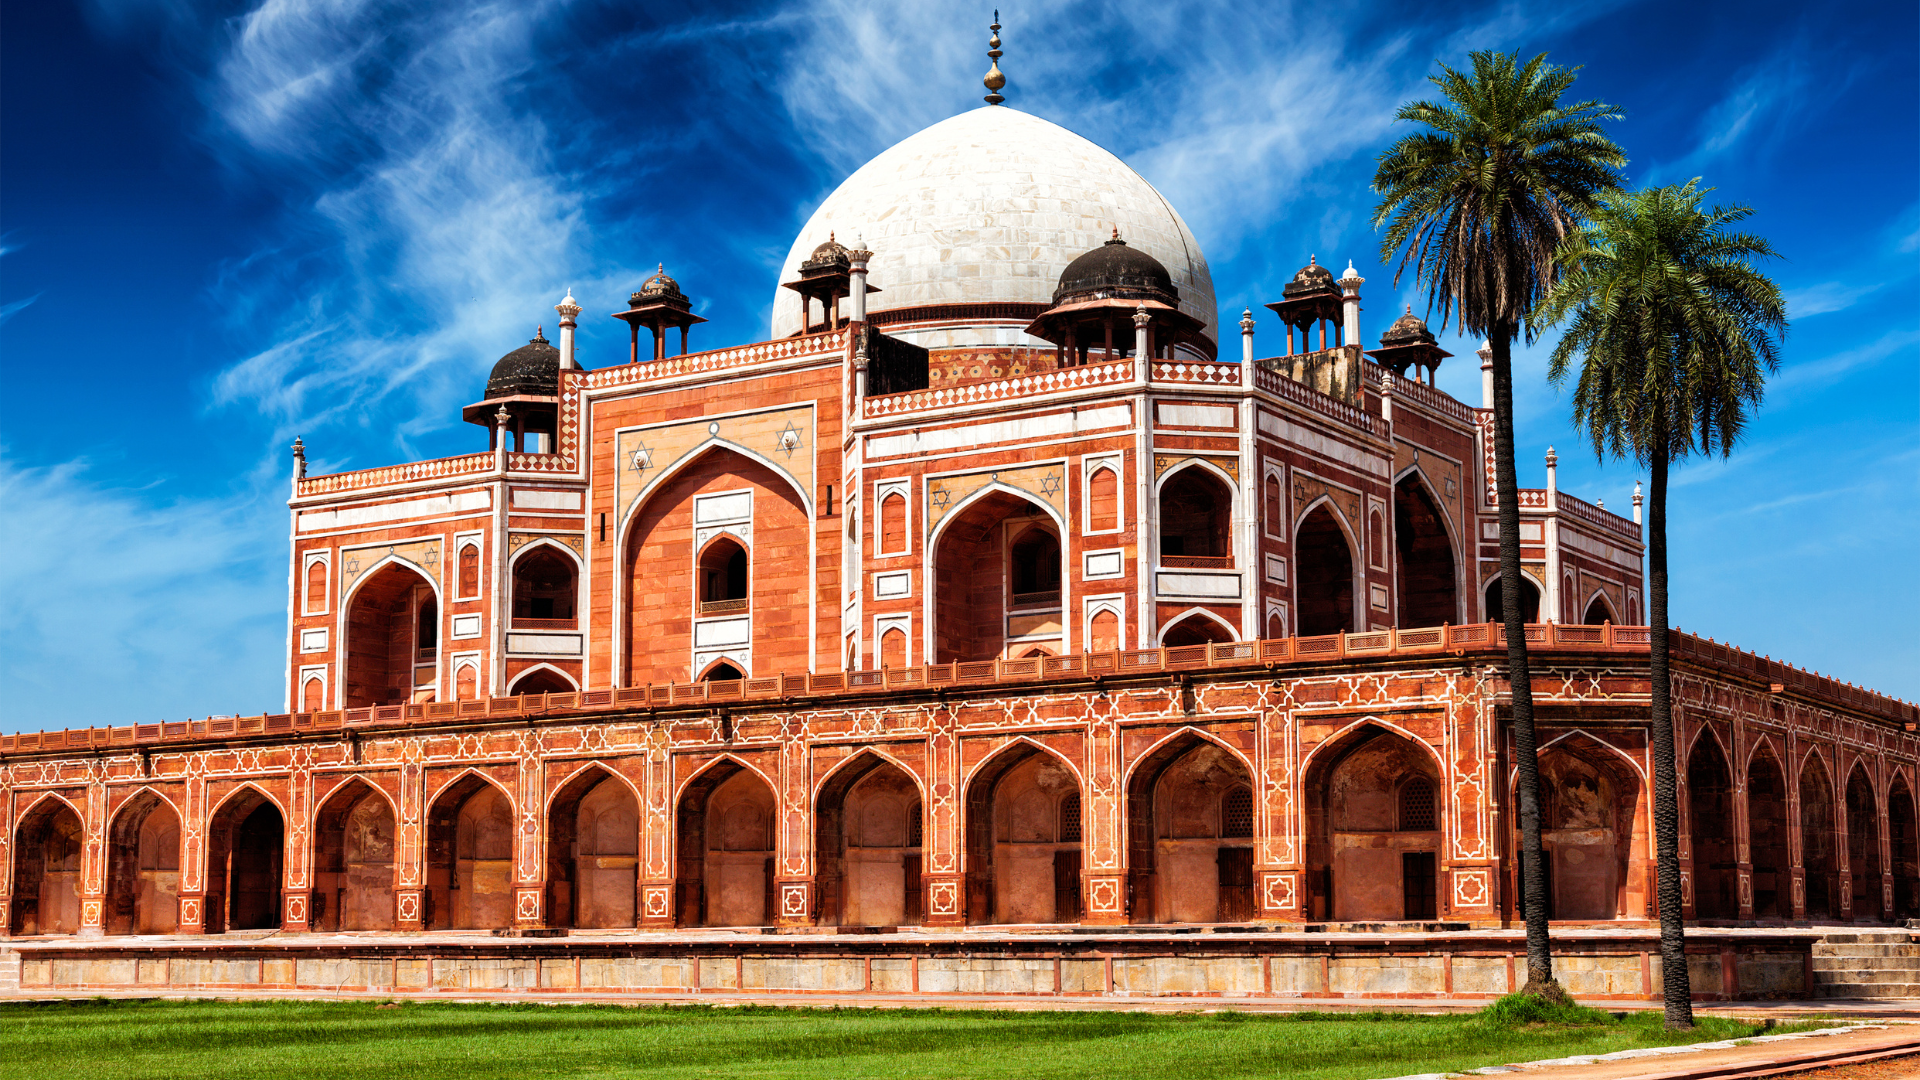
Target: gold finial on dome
995, 80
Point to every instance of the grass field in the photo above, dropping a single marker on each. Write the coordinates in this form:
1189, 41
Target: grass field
152, 1040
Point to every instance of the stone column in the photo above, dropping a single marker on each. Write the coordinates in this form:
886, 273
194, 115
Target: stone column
1742, 820
1103, 829
656, 835
6, 857
1280, 876
193, 848
93, 862
410, 846
944, 875
530, 868
297, 862
793, 857
1141, 335
1350, 283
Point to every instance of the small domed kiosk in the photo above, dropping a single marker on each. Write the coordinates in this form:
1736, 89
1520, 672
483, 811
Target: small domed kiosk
1099, 298
526, 383
1409, 344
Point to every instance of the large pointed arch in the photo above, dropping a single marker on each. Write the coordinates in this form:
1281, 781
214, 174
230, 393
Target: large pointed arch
1022, 793
727, 818
1327, 598
48, 852
869, 819
1178, 734
592, 850
693, 456
723, 758
1344, 737
435, 795
841, 766
1190, 830
540, 669
143, 853
1765, 783
356, 833
472, 829
246, 853
1232, 632
1423, 592
977, 565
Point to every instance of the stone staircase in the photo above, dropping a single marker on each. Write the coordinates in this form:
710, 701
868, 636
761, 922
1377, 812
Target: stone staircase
1870, 964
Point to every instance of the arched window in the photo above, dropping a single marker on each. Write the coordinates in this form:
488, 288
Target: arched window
1103, 501
853, 655
470, 570
893, 524
1416, 805
1236, 813
1276, 625
1376, 537
1323, 576
316, 586
540, 681
1035, 575
1070, 818
1195, 629
466, 683
543, 590
723, 672
723, 577
313, 695
1275, 514
1195, 509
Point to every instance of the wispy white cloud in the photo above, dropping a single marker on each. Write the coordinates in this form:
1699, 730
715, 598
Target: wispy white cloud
9, 310
120, 603
1804, 376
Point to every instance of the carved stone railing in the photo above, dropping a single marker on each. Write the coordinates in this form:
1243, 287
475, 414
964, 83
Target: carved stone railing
1602, 518
1427, 397
1280, 386
437, 469
1196, 373
1266, 658
717, 360
1020, 386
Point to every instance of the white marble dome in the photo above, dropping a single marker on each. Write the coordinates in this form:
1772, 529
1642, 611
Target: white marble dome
990, 206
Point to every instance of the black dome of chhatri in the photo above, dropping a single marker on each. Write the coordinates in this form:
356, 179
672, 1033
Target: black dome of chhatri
1312, 278
532, 370
1117, 270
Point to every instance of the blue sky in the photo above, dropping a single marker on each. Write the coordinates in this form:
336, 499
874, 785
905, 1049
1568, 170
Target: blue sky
225, 224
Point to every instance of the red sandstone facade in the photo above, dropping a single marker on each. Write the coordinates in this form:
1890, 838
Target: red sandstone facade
840, 629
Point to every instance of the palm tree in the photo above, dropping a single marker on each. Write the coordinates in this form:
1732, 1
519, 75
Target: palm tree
1475, 205
1675, 331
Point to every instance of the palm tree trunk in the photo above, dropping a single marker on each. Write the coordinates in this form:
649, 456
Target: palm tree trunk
1533, 878
1675, 986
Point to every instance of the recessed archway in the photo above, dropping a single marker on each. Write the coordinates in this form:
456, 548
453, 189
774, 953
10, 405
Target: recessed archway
393, 637
1863, 845
1599, 611
1593, 830
1423, 557
868, 825
1905, 845
1374, 828
1023, 838
1529, 600
1190, 833
246, 851
47, 854
353, 836
143, 867
724, 848
1767, 833
1323, 575
1710, 822
470, 856
541, 680
1818, 850
985, 551
1196, 628
593, 853
723, 577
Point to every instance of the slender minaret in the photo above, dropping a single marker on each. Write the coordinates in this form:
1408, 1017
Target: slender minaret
1140, 321
1350, 283
857, 260
1246, 347
1485, 353
995, 80
568, 312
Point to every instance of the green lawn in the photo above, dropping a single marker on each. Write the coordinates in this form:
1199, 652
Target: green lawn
151, 1040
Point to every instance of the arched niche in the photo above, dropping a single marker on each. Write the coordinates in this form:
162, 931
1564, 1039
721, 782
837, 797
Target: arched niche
1904, 842
982, 553
1819, 855
545, 589
1424, 560
1710, 819
48, 848
723, 576
1599, 611
593, 853
541, 680
1196, 520
470, 835
143, 867
1023, 839
868, 826
1863, 844
392, 638
1592, 829
1375, 828
1190, 834
724, 848
1323, 575
1496, 604
1767, 831
353, 847
246, 853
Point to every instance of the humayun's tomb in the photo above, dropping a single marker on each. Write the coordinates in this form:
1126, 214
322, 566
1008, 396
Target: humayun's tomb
1002, 623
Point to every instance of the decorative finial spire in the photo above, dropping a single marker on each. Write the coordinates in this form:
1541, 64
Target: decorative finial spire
995, 80
1116, 232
